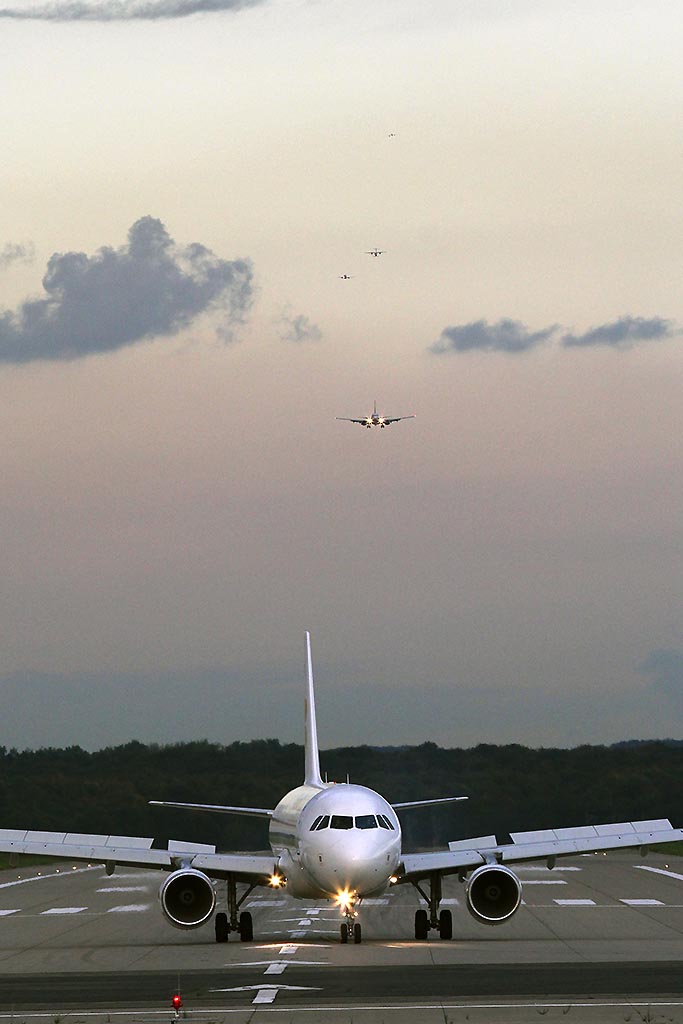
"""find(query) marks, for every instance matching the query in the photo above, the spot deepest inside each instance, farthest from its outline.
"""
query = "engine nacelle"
(187, 898)
(493, 894)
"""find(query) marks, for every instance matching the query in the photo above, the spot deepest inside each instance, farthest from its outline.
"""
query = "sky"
(184, 182)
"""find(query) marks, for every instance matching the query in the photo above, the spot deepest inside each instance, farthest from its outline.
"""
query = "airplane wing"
(250, 812)
(546, 844)
(132, 851)
(347, 419)
(427, 803)
(395, 419)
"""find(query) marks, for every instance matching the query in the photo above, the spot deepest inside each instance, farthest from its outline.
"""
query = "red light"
(177, 1002)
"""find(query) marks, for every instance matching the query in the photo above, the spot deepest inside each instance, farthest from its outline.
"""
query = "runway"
(601, 935)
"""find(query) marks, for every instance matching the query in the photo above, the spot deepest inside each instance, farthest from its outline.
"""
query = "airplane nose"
(360, 867)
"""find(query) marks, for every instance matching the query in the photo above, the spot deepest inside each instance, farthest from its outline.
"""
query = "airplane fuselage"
(341, 838)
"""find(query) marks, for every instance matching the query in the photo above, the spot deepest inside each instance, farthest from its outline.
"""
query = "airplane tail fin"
(374, 411)
(312, 757)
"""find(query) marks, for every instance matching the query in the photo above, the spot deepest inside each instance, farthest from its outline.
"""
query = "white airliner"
(339, 842)
(375, 420)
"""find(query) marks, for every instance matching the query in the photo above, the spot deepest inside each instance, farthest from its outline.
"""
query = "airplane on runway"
(340, 842)
(374, 419)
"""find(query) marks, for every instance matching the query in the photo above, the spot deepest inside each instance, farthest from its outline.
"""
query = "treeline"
(509, 787)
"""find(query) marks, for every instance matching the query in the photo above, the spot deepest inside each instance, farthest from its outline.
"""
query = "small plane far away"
(375, 252)
(340, 842)
(374, 419)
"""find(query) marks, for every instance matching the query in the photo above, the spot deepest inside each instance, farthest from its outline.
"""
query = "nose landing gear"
(350, 927)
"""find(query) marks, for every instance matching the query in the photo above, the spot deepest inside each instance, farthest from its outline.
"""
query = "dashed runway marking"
(63, 910)
(642, 903)
(129, 908)
(125, 888)
(6, 913)
(543, 881)
(575, 903)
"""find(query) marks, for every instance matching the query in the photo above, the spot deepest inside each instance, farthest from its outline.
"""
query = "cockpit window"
(366, 821)
(316, 823)
(341, 821)
(385, 822)
(323, 822)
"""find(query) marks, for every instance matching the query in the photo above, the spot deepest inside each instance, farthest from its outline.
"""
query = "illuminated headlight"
(276, 881)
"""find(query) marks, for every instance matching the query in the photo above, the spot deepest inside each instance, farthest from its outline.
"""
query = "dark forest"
(509, 787)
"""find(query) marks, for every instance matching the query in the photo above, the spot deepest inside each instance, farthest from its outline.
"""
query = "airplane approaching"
(346, 277)
(375, 420)
(341, 842)
(375, 252)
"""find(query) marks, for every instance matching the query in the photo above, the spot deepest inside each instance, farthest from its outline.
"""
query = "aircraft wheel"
(357, 934)
(344, 933)
(446, 924)
(221, 924)
(246, 927)
(421, 924)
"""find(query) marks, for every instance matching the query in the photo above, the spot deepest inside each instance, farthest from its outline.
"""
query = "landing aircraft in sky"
(374, 419)
(340, 842)
(375, 252)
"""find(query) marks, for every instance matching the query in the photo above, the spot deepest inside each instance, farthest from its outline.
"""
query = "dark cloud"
(504, 336)
(666, 670)
(623, 333)
(122, 10)
(146, 288)
(17, 252)
(300, 328)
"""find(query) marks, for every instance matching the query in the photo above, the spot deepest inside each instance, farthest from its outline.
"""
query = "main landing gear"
(232, 921)
(441, 922)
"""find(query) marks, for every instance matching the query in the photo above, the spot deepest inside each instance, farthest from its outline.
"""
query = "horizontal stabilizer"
(251, 812)
(428, 803)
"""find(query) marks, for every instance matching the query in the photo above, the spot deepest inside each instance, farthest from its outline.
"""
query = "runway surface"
(602, 936)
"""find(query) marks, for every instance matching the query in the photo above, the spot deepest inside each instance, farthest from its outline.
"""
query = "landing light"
(276, 881)
(345, 899)
(393, 880)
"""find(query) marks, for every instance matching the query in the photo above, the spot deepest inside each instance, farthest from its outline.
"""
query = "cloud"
(299, 328)
(505, 336)
(623, 333)
(17, 252)
(665, 666)
(144, 289)
(122, 10)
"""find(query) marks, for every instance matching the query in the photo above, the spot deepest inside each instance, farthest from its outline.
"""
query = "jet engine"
(493, 894)
(187, 898)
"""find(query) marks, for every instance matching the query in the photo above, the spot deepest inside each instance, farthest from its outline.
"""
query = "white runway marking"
(658, 871)
(255, 904)
(575, 903)
(125, 888)
(543, 881)
(451, 902)
(265, 995)
(129, 908)
(6, 913)
(305, 922)
(64, 910)
(377, 903)
(643, 903)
